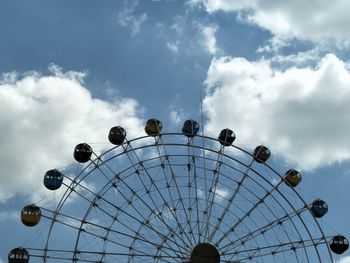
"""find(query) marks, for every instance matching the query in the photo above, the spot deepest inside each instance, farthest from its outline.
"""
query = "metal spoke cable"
(149, 226)
(212, 190)
(158, 191)
(278, 248)
(86, 223)
(231, 199)
(144, 203)
(170, 165)
(191, 177)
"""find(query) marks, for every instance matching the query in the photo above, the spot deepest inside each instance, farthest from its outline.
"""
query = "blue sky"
(275, 72)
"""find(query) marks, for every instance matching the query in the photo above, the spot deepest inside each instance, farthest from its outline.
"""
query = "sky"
(275, 72)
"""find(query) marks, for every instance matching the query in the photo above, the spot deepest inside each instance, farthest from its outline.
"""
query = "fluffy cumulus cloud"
(300, 113)
(42, 118)
(321, 21)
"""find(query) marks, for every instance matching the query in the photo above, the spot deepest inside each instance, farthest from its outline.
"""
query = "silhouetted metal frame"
(113, 179)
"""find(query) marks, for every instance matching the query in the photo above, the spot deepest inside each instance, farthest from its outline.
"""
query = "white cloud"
(2, 261)
(177, 116)
(208, 38)
(344, 260)
(42, 118)
(127, 18)
(173, 46)
(299, 58)
(186, 36)
(223, 5)
(318, 21)
(219, 195)
(300, 113)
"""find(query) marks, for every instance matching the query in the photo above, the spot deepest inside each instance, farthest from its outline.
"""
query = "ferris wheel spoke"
(146, 205)
(160, 248)
(261, 230)
(192, 179)
(229, 232)
(144, 221)
(136, 235)
(163, 164)
(248, 213)
(254, 252)
(62, 254)
(169, 209)
(231, 199)
(277, 224)
(206, 194)
(170, 236)
(65, 258)
(212, 190)
(270, 226)
(173, 180)
(183, 232)
(196, 188)
(87, 232)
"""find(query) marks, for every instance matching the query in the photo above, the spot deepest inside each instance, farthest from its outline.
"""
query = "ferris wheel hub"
(205, 253)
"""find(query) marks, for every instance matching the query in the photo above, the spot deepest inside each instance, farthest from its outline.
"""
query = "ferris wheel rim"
(98, 161)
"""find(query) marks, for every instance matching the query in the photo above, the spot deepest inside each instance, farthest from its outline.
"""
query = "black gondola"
(190, 128)
(226, 137)
(82, 153)
(53, 179)
(18, 255)
(116, 135)
(339, 244)
(319, 208)
(261, 154)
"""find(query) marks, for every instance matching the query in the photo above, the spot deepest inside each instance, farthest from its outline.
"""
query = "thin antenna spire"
(201, 110)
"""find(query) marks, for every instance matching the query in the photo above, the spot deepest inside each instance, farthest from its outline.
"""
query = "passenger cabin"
(30, 215)
(292, 178)
(53, 179)
(82, 153)
(190, 128)
(319, 208)
(18, 255)
(226, 137)
(339, 244)
(116, 135)
(261, 154)
(153, 127)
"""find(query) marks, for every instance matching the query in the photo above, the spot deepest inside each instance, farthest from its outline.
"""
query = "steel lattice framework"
(155, 198)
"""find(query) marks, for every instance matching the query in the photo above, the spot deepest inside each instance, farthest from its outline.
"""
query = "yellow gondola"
(292, 178)
(30, 215)
(153, 127)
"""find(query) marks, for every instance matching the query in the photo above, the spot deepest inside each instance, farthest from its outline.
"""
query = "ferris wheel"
(177, 197)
